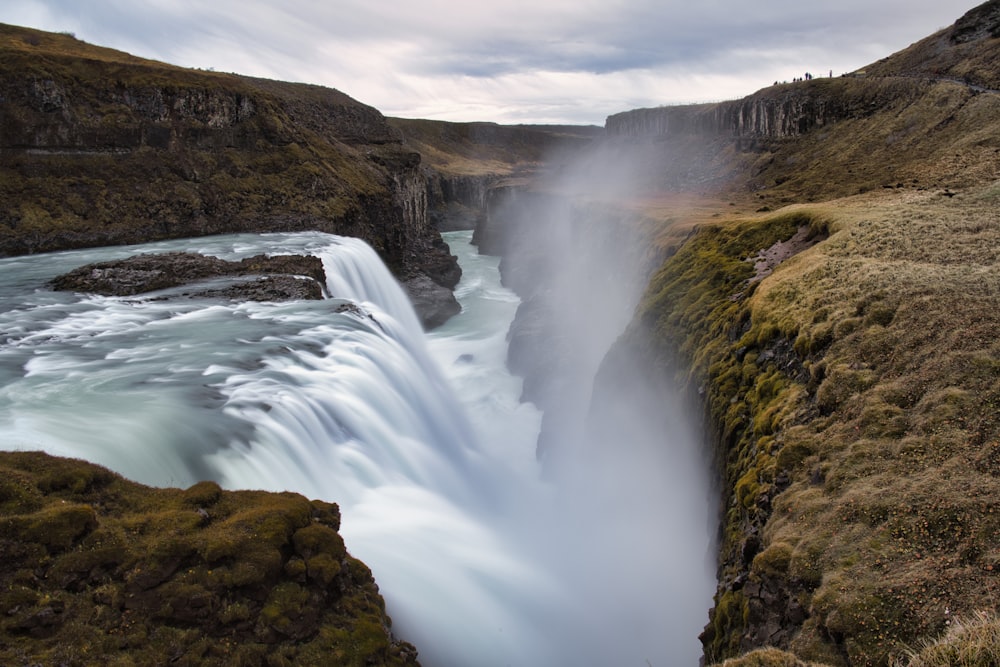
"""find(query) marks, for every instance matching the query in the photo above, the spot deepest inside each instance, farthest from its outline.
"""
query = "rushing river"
(420, 438)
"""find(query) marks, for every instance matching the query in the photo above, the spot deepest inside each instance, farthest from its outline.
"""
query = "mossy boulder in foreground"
(97, 569)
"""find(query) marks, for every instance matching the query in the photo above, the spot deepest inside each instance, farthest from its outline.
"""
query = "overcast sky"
(509, 61)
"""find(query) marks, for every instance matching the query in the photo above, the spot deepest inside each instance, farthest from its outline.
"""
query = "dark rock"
(267, 288)
(433, 303)
(285, 277)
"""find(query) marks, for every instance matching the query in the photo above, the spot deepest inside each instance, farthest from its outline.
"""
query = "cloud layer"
(519, 61)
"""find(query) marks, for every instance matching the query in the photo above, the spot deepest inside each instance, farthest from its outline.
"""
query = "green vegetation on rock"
(854, 395)
(96, 568)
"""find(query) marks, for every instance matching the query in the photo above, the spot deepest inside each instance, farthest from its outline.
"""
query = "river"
(420, 438)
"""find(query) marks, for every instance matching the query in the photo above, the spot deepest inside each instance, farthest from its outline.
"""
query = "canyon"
(848, 395)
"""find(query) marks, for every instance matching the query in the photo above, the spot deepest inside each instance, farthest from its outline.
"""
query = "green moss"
(323, 568)
(317, 539)
(774, 560)
(202, 494)
(284, 606)
(132, 584)
(56, 527)
(726, 624)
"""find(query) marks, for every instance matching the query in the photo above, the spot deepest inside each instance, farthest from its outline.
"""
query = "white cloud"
(516, 61)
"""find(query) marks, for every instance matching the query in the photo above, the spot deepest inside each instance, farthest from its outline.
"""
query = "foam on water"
(421, 440)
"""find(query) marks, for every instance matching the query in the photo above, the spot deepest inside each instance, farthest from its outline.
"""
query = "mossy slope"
(854, 395)
(97, 569)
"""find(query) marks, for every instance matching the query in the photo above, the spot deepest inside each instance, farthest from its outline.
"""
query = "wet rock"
(278, 278)
(434, 303)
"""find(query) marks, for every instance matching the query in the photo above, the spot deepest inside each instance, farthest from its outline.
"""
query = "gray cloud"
(522, 59)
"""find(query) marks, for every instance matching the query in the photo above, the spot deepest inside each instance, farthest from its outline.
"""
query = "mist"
(633, 512)
(561, 515)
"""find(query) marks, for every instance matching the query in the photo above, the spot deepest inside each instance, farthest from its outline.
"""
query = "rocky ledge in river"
(260, 278)
(278, 278)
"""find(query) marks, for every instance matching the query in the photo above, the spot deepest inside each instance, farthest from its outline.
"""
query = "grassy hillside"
(477, 149)
(854, 392)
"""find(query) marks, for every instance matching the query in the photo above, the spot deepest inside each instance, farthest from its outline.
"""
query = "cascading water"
(421, 440)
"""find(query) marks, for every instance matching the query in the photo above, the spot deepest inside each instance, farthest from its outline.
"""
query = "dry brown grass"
(969, 642)
(767, 657)
(32, 42)
(892, 517)
(479, 149)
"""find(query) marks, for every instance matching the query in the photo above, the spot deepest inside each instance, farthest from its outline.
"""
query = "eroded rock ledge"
(258, 278)
(278, 278)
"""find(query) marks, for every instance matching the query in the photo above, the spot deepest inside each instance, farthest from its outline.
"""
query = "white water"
(421, 440)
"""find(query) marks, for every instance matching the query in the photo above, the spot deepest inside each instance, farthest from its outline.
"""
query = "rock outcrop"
(94, 568)
(275, 278)
(781, 111)
(457, 201)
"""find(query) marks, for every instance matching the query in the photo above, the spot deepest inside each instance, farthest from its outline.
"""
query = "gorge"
(756, 334)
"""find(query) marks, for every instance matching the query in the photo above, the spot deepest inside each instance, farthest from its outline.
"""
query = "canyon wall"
(779, 111)
(101, 148)
(579, 268)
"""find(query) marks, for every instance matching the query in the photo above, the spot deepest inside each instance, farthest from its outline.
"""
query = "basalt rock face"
(781, 111)
(456, 202)
(100, 148)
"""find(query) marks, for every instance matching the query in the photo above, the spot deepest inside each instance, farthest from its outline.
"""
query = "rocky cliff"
(464, 161)
(100, 148)
(783, 110)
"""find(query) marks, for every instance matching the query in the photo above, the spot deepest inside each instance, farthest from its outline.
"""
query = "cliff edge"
(95, 568)
(833, 318)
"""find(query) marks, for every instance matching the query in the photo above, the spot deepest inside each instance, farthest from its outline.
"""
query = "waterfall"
(422, 441)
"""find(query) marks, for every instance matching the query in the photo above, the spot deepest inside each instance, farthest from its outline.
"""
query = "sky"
(508, 61)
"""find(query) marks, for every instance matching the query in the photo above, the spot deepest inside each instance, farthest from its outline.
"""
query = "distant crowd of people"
(807, 77)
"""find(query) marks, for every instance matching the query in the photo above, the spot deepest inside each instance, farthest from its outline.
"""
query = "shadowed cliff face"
(781, 111)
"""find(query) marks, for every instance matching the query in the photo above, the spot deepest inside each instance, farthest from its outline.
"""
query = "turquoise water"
(420, 438)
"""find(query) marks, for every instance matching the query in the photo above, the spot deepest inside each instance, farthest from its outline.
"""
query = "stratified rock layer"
(98, 147)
